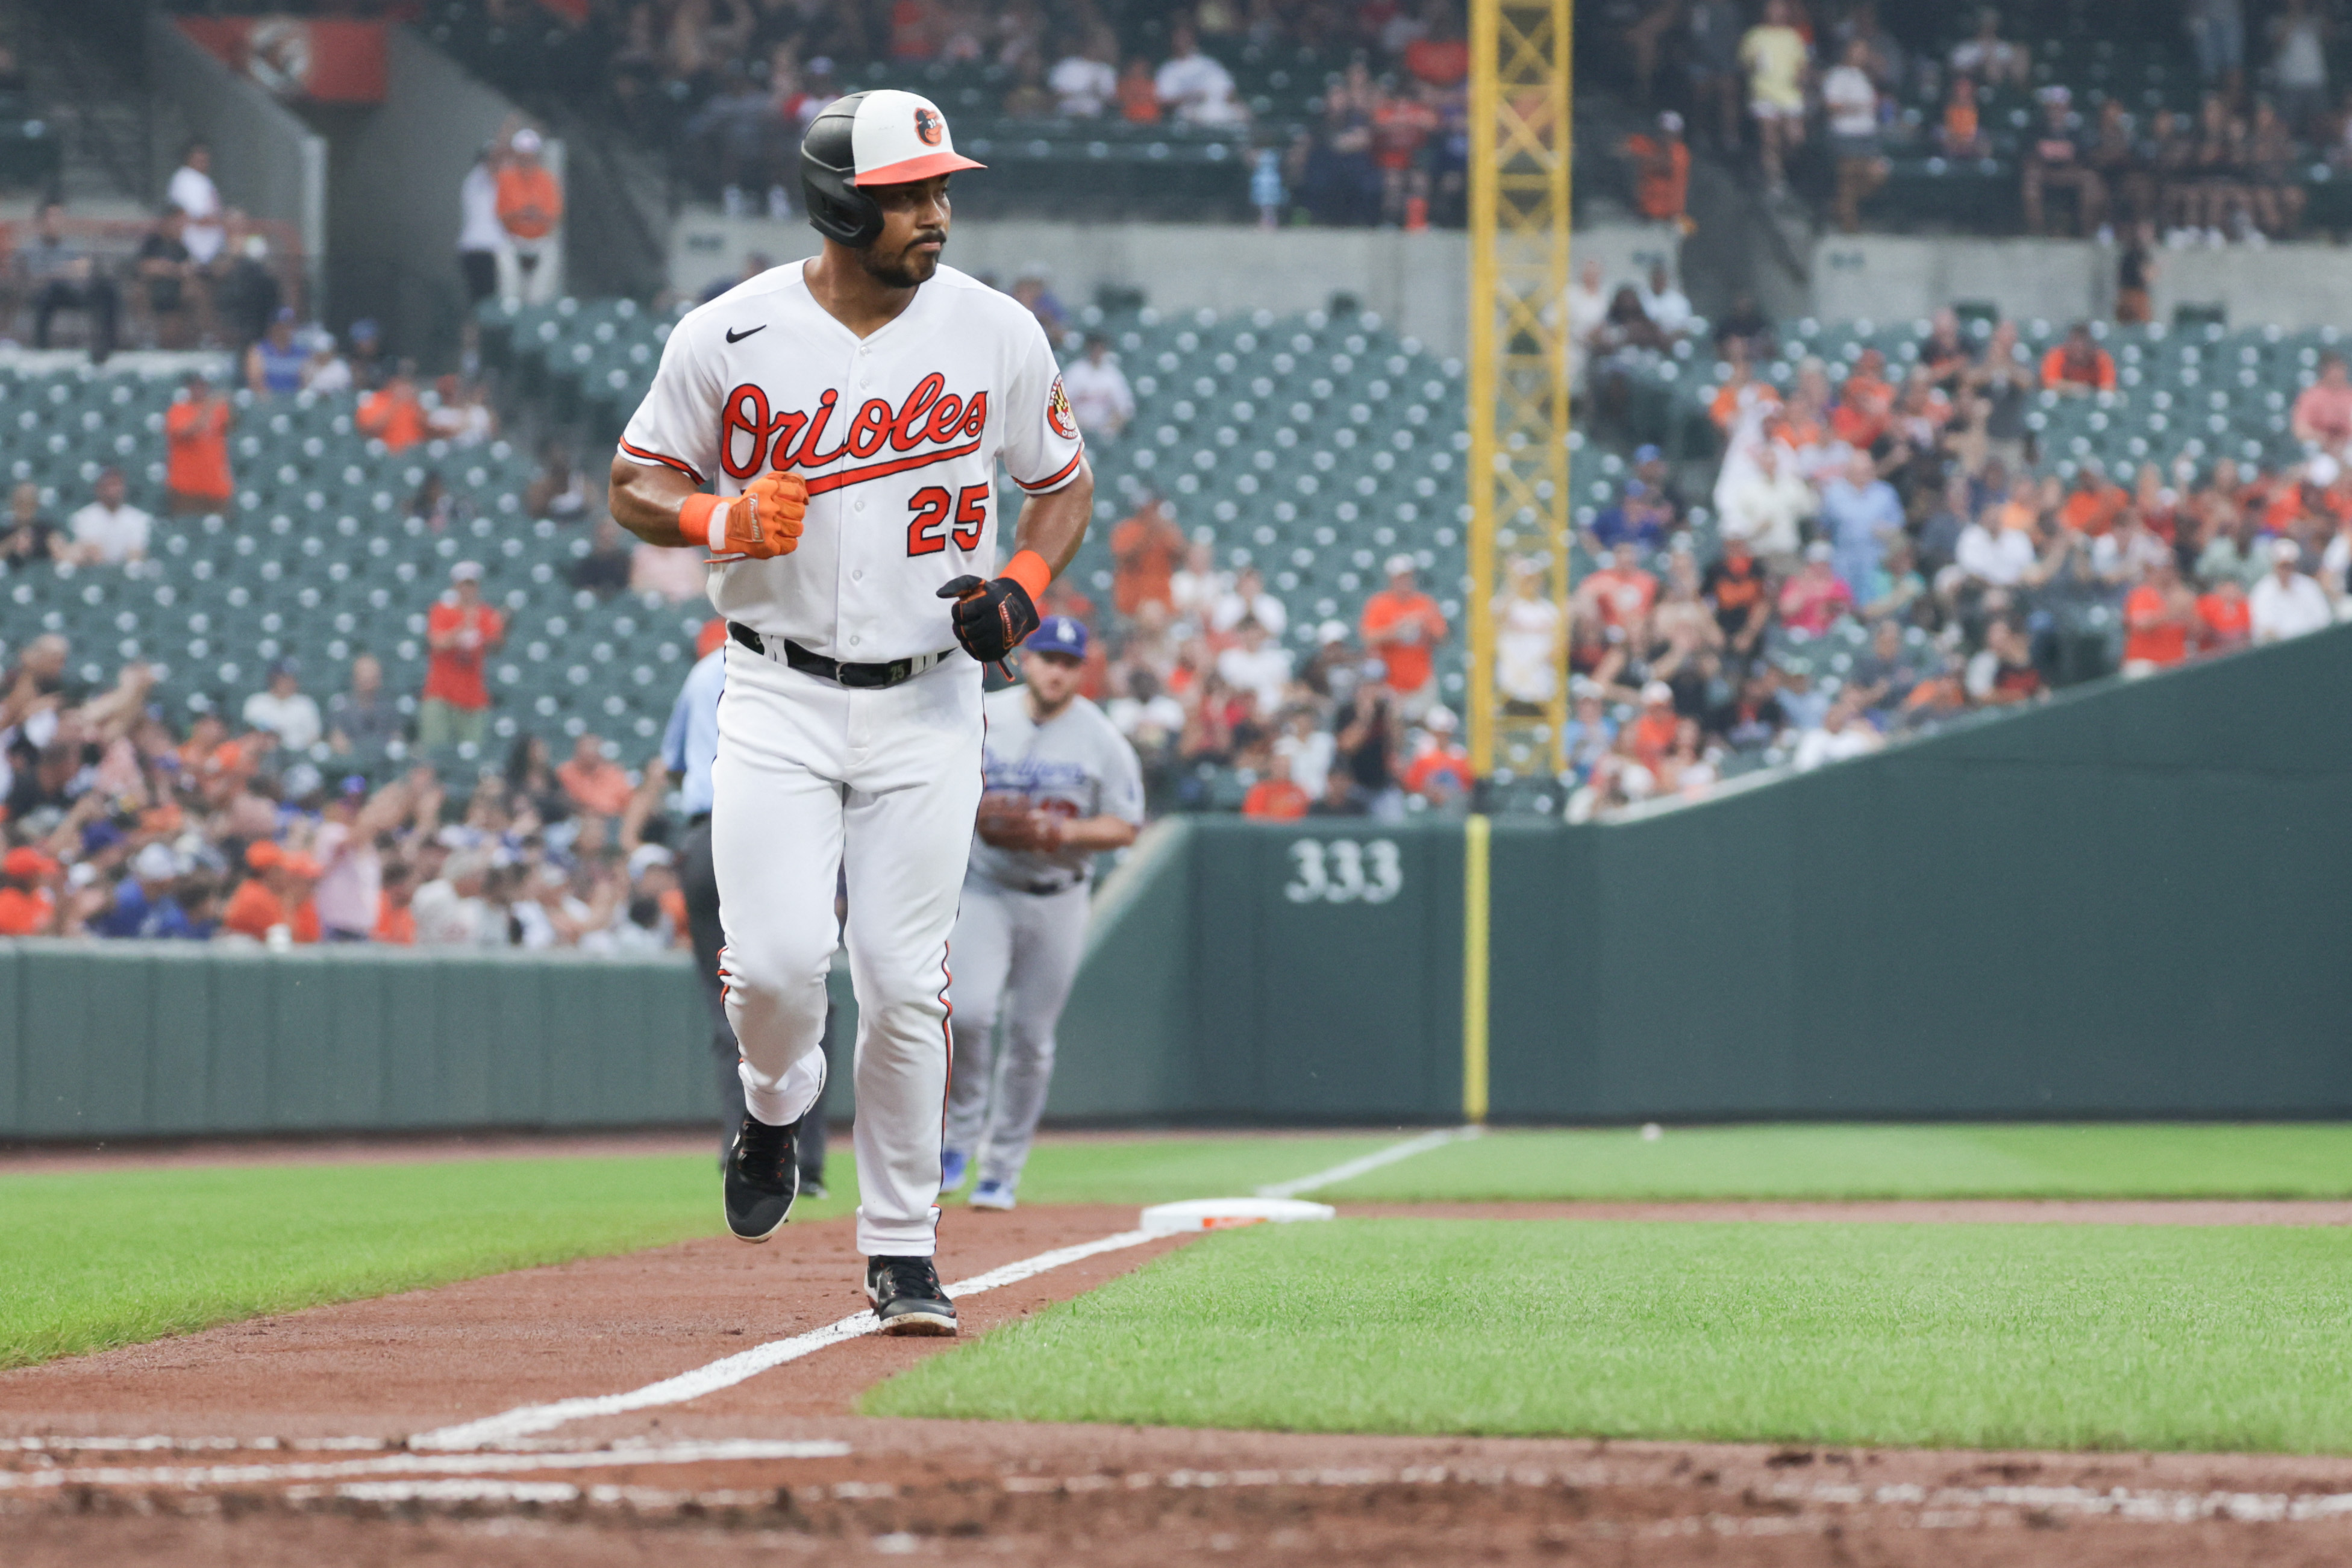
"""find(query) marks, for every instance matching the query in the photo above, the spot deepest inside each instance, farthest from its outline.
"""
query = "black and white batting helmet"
(883, 137)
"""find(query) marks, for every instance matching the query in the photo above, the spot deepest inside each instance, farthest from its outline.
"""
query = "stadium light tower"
(1521, 148)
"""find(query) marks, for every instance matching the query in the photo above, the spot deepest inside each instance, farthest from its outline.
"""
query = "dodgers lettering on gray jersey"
(1076, 765)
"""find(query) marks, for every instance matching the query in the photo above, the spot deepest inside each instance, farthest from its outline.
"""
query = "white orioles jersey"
(897, 437)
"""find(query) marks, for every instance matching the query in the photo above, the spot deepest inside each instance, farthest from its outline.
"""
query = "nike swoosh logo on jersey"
(735, 337)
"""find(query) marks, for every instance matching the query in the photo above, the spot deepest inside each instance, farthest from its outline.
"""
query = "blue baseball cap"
(1059, 634)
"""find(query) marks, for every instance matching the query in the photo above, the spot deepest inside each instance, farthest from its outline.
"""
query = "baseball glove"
(990, 618)
(1007, 823)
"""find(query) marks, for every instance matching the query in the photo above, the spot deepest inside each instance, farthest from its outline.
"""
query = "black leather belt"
(857, 677)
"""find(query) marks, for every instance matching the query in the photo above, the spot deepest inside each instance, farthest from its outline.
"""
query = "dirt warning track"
(295, 1440)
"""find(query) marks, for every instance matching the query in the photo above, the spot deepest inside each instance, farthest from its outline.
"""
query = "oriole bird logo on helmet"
(927, 126)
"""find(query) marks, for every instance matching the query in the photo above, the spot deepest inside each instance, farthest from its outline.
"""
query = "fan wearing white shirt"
(286, 710)
(192, 190)
(1097, 389)
(1249, 601)
(2285, 603)
(1194, 87)
(1668, 308)
(1193, 593)
(1254, 665)
(110, 531)
(1085, 81)
(1993, 555)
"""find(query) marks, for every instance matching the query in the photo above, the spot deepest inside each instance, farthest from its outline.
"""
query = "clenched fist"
(761, 524)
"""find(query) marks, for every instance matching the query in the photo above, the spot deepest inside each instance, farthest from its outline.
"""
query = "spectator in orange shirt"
(1144, 550)
(1864, 403)
(2078, 366)
(392, 414)
(1962, 133)
(1661, 172)
(28, 903)
(2096, 501)
(1441, 56)
(1139, 93)
(2225, 616)
(393, 921)
(1440, 772)
(531, 205)
(1742, 391)
(2323, 412)
(595, 783)
(277, 895)
(460, 632)
(1402, 629)
(2159, 616)
(1651, 735)
(1277, 797)
(195, 437)
(1621, 594)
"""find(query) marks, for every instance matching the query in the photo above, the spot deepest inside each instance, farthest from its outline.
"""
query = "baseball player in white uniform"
(1063, 785)
(829, 431)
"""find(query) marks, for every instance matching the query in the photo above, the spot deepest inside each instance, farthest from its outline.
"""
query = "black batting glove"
(990, 618)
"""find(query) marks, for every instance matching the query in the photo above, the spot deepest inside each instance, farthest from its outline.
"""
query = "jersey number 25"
(931, 506)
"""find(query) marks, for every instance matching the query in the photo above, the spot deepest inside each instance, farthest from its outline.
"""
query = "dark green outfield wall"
(122, 1038)
(2132, 902)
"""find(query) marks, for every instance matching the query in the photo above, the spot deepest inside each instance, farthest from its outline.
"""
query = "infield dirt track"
(246, 1408)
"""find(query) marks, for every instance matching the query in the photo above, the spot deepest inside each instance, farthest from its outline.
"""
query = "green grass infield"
(111, 1258)
(1864, 1161)
(2041, 1336)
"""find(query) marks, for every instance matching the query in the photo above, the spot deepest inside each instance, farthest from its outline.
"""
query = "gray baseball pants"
(1013, 959)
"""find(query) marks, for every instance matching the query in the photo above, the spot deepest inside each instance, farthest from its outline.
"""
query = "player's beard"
(909, 268)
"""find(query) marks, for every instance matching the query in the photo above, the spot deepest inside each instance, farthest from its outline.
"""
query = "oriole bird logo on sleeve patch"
(1058, 413)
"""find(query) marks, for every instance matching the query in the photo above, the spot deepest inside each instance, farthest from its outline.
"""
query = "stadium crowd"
(1886, 503)
(1784, 78)
(728, 86)
(262, 825)
(1200, 679)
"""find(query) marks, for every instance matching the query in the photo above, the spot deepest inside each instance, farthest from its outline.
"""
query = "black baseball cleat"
(762, 1177)
(908, 1297)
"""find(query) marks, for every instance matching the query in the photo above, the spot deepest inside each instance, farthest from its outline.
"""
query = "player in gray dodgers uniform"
(1063, 785)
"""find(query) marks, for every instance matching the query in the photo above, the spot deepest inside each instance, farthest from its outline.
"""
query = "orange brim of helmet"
(907, 170)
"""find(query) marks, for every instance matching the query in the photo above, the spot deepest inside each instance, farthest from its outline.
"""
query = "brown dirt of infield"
(401, 1363)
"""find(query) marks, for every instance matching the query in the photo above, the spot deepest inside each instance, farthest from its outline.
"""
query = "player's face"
(1053, 676)
(914, 232)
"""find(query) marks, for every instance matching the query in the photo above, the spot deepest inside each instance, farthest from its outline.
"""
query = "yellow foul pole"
(1520, 150)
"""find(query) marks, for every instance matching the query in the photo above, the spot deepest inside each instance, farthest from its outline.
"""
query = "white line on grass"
(1353, 1168)
(527, 1419)
(419, 1464)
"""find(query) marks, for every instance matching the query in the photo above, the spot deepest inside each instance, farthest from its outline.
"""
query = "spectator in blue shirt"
(1637, 518)
(1860, 512)
(143, 904)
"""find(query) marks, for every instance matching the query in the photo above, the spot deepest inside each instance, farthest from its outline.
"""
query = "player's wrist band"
(1029, 570)
(703, 519)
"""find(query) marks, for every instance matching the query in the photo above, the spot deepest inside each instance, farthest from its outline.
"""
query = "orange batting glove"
(761, 524)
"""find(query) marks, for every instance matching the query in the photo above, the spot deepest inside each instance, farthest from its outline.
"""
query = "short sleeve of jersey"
(1122, 786)
(677, 424)
(1042, 444)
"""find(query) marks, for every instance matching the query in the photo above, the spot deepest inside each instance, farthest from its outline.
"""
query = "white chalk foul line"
(1353, 1168)
(724, 1373)
(416, 1464)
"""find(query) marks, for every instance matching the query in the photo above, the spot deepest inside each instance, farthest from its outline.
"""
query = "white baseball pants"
(1016, 957)
(883, 785)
